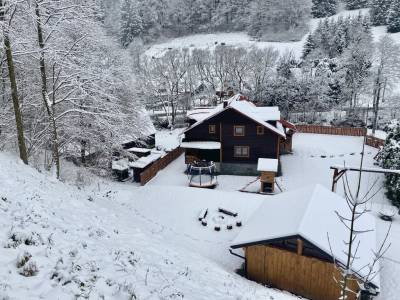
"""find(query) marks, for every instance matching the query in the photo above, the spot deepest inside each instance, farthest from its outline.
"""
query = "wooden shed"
(286, 244)
(268, 168)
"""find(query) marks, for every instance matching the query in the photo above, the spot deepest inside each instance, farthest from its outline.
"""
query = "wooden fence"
(159, 164)
(374, 141)
(319, 129)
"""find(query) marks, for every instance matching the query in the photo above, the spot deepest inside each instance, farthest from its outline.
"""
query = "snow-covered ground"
(91, 243)
(242, 39)
(112, 240)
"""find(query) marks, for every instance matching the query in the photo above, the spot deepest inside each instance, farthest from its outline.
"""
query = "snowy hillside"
(88, 244)
(242, 39)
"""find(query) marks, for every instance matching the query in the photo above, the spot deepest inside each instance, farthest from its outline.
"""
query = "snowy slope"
(87, 244)
(242, 39)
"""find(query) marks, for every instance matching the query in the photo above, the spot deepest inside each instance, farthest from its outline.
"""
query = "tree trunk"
(49, 108)
(14, 89)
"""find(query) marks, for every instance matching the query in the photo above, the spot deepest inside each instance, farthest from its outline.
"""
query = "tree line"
(382, 12)
(153, 19)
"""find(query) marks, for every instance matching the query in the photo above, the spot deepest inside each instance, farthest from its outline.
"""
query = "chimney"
(225, 103)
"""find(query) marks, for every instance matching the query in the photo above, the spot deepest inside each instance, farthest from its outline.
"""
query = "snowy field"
(114, 240)
(242, 39)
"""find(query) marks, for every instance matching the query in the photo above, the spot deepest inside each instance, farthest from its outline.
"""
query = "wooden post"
(220, 140)
(300, 245)
(335, 174)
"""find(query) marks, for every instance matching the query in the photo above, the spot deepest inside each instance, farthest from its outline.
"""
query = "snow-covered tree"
(379, 10)
(356, 4)
(386, 71)
(393, 18)
(323, 8)
(131, 22)
(390, 159)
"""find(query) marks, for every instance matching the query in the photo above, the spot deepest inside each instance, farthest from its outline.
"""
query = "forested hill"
(272, 20)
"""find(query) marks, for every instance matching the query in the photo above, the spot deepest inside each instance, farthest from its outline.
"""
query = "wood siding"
(305, 276)
(265, 145)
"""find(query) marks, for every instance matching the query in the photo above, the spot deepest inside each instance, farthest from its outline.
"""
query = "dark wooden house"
(235, 135)
(286, 245)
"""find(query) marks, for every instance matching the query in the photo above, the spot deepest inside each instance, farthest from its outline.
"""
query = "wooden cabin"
(286, 245)
(235, 135)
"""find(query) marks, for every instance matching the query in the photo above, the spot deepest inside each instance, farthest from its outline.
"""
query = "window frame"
(260, 130)
(239, 126)
(241, 155)
(212, 129)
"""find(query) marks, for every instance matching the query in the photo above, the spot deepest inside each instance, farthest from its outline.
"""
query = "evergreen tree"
(379, 10)
(308, 46)
(323, 8)
(390, 159)
(131, 22)
(356, 4)
(393, 19)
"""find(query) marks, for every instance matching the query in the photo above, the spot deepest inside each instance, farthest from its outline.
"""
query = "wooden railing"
(374, 141)
(319, 129)
(159, 164)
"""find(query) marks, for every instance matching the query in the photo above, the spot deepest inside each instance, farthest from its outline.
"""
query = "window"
(238, 130)
(260, 130)
(241, 151)
(211, 128)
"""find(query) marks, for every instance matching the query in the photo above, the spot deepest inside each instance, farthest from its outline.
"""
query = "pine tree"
(393, 19)
(308, 46)
(379, 10)
(390, 159)
(323, 8)
(356, 4)
(131, 22)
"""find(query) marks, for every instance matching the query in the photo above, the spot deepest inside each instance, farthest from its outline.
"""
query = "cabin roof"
(310, 213)
(260, 115)
(146, 160)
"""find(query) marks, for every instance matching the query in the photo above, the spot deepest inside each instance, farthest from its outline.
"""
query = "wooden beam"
(300, 246)
(220, 140)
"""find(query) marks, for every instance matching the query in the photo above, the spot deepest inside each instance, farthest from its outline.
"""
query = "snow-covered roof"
(120, 165)
(199, 114)
(139, 150)
(260, 115)
(146, 160)
(267, 165)
(310, 212)
(201, 145)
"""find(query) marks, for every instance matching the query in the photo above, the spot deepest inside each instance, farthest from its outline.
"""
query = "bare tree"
(386, 70)
(349, 270)
(10, 10)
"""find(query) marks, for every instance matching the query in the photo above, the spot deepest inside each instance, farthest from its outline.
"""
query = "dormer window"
(239, 130)
(211, 129)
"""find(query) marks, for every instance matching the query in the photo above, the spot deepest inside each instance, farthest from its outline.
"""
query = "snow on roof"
(310, 212)
(146, 160)
(199, 114)
(120, 165)
(259, 114)
(138, 150)
(267, 165)
(201, 145)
